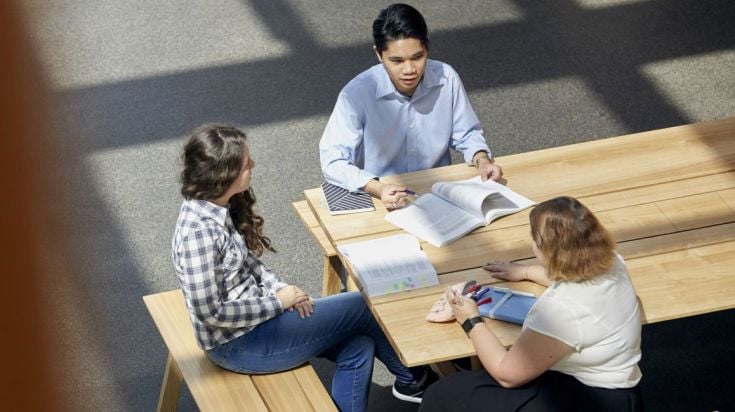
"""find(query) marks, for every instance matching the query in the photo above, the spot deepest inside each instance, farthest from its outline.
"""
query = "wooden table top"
(666, 196)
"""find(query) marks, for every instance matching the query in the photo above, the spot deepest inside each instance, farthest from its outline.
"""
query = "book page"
(390, 264)
(486, 200)
(434, 220)
(504, 202)
(468, 195)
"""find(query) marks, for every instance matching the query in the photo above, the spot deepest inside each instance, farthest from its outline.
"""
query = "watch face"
(470, 323)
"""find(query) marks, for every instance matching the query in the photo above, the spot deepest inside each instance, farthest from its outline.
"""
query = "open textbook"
(453, 209)
(390, 264)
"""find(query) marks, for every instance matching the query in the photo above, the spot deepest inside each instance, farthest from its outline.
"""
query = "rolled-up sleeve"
(467, 133)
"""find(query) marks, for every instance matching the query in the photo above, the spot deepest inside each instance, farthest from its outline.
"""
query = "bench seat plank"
(283, 392)
(307, 217)
(211, 389)
(216, 389)
(331, 275)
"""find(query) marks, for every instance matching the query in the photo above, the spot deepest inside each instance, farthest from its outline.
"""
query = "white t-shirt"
(600, 319)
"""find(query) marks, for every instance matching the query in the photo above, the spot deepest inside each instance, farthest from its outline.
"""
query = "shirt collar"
(384, 86)
(210, 210)
(432, 78)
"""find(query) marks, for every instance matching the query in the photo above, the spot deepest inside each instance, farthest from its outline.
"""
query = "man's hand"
(487, 169)
(393, 197)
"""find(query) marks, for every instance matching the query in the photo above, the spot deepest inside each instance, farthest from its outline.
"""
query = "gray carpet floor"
(131, 78)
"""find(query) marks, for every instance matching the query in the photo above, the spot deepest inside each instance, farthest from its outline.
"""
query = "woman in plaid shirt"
(245, 318)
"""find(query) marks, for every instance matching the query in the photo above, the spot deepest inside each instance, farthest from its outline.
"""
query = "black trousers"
(552, 391)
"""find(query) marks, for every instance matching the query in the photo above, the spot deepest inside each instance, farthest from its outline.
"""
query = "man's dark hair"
(399, 21)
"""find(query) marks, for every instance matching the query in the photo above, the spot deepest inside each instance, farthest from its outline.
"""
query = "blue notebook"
(507, 305)
(341, 201)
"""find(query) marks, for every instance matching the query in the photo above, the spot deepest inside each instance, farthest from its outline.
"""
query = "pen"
(485, 300)
(410, 192)
(515, 292)
(469, 291)
(480, 293)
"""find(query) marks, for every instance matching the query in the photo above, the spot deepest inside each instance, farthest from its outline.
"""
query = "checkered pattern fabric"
(228, 290)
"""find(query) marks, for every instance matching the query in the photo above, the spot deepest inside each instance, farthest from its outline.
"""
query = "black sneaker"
(414, 392)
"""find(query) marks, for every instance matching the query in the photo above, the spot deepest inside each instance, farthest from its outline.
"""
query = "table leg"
(171, 386)
(443, 369)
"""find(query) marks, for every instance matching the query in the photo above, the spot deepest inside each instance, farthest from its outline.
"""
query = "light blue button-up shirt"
(376, 131)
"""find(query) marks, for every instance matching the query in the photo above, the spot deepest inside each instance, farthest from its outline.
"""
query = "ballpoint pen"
(485, 300)
(515, 292)
(467, 286)
(410, 192)
(480, 293)
(469, 292)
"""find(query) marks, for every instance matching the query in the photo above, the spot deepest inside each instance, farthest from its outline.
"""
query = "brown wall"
(29, 367)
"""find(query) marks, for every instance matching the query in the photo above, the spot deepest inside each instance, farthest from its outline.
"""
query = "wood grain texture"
(666, 196)
(307, 217)
(216, 389)
(599, 168)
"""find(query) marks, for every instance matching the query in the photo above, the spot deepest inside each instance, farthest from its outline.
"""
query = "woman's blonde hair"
(573, 242)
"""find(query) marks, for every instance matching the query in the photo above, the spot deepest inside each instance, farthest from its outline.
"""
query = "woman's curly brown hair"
(574, 243)
(212, 160)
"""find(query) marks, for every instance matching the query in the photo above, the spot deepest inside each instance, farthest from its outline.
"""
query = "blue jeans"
(341, 329)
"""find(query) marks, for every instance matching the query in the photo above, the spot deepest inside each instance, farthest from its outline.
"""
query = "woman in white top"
(580, 344)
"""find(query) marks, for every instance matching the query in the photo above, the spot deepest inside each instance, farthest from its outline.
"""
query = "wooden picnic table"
(666, 196)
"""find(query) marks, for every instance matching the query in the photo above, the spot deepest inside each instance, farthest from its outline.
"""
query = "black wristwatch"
(470, 323)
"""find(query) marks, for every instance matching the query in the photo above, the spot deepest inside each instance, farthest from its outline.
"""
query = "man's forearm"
(479, 157)
(374, 187)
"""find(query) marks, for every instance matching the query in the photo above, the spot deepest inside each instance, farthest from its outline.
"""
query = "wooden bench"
(333, 268)
(216, 389)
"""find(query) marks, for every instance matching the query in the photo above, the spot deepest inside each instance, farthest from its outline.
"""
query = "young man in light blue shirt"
(401, 115)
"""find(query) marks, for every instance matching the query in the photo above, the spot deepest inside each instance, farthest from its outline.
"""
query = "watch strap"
(470, 323)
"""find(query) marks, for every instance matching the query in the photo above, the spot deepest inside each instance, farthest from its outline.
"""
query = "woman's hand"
(291, 296)
(305, 308)
(463, 308)
(506, 270)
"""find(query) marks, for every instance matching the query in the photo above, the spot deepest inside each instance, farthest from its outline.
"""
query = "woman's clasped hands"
(293, 297)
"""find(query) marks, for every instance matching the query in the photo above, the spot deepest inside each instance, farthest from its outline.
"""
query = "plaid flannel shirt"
(228, 290)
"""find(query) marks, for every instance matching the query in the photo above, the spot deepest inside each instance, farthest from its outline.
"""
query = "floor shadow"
(604, 47)
(112, 341)
(689, 363)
